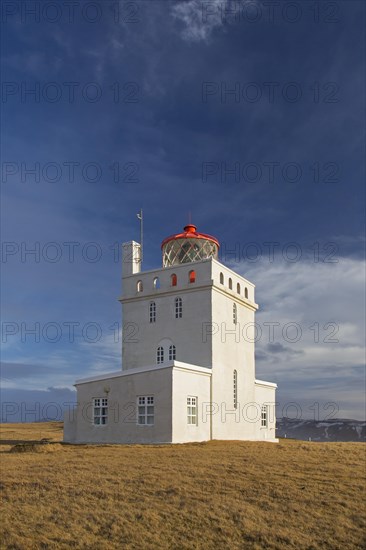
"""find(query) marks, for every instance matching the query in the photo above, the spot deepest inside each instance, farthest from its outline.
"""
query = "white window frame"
(192, 410)
(178, 302)
(160, 355)
(152, 312)
(100, 411)
(172, 352)
(145, 410)
(264, 416)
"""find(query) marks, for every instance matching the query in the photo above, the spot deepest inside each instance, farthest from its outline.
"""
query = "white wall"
(122, 420)
(233, 349)
(218, 268)
(131, 258)
(141, 338)
(187, 383)
(266, 395)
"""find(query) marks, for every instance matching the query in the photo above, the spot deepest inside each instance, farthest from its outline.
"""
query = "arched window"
(172, 352)
(156, 282)
(221, 278)
(178, 308)
(192, 276)
(139, 286)
(235, 314)
(173, 279)
(152, 312)
(230, 283)
(238, 288)
(246, 292)
(160, 355)
(235, 389)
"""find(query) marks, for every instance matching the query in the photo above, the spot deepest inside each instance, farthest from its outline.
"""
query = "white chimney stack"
(131, 258)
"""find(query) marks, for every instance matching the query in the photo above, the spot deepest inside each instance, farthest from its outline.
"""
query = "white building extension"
(188, 371)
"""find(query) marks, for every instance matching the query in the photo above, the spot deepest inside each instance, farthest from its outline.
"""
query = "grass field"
(222, 495)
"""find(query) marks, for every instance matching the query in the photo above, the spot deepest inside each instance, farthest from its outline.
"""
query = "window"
(160, 355)
(152, 312)
(235, 389)
(246, 292)
(221, 278)
(238, 288)
(192, 276)
(178, 308)
(192, 411)
(139, 286)
(230, 283)
(156, 282)
(172, 352)
(100, 410)
(264, 416)
(173, 280)
(145, 410)
(235, 314)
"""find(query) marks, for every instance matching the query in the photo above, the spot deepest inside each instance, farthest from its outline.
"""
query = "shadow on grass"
(26, 441)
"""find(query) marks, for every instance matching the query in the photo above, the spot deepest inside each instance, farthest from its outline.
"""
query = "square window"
(100, 411)
(145, 410)
(192, 417)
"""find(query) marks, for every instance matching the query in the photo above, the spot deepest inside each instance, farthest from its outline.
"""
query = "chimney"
(131, 258)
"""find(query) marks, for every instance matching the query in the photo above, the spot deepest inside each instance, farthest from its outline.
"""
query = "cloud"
(36, 405)
(311, 325)
(40, 369)
(199, 19)
(15, 371)
(279, 348)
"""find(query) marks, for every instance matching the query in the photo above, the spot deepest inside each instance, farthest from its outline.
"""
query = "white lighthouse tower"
(188, 371)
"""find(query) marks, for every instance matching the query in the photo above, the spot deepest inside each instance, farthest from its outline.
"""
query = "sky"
(247, 118)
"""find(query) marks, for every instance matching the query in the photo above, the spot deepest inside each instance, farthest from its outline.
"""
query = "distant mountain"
(336, 429)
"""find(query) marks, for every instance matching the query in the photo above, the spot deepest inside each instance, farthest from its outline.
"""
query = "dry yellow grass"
(224, 495)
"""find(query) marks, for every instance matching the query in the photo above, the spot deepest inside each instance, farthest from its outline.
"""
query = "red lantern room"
(189, 246)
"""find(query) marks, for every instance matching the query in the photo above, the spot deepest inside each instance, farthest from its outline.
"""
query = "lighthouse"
(188, 364)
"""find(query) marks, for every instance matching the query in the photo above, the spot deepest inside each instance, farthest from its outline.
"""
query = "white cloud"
(326, 302)
(199, 18)
(324, 299)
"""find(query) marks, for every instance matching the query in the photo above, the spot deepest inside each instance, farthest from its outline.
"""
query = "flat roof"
(129, 372)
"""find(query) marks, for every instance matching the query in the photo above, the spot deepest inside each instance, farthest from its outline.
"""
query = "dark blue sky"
(159, 102)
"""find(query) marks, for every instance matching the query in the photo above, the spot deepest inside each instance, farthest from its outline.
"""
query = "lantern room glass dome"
(189, 246)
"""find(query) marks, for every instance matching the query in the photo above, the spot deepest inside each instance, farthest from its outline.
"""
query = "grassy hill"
(224, 495)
